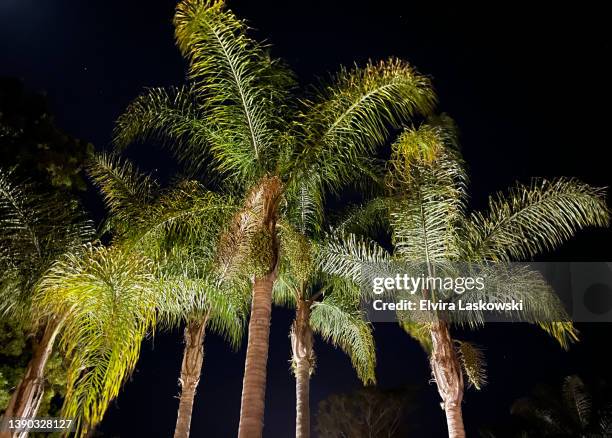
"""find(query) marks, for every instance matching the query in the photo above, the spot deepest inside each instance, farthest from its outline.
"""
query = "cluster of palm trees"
(248, 228)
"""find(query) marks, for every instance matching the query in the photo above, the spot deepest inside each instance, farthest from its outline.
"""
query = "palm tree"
(178, 228)
(107, 301)
(325, 305)
(239, 121)
(35, 230)
(427, 214)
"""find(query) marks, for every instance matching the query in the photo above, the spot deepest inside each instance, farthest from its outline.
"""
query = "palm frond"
(578, 399)
(303, 207)
(429, 176)
(419, 332)
(518, 283)
(345, 255)
(354, 116)
(239, 82)
(182, 295)
(344, 325)
(35, 229)
(473, 363)
(285, 292)
(185, 214)
(173, 116)
(127, 192)
(533, 219)
(368, 218)
(106, 297)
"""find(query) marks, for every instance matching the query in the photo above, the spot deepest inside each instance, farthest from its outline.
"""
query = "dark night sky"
(528, 88)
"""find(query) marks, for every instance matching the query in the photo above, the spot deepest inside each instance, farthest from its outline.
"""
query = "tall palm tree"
(429, 222)
(239, 120)
(324, 305)
(178, 228)
(35, 230)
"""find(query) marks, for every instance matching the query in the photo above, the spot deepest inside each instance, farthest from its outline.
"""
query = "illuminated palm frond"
(303, 207)
(473, 363)
(173, 116)
(179, 228)
(183, 295)
(345, 255)
(341, 323)
(127, 191)
(429, 176)
(505, 283)
(239, 82)
(533, 219)
(367, 218)
(354, 115)
(106, 298)
(419, 332)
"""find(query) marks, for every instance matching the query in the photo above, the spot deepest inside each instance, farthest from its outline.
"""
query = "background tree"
(15, 353)
(35, 230)
(573, 409)
(30, 139)
(430, 225)
(45, 155)
(367, 412)
(242, 126)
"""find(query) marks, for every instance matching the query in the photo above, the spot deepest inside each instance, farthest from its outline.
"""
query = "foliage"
(106, 298)
(178, 228)
(343, 324)
(15, 353)
(35, 229)
(30, 139)
(367, 412)
(573, 409)
(430, 225)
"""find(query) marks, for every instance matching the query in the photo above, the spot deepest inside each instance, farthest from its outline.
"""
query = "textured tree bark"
(191, 368)
(302, 340)
(26, 399)
(255, 368)
(267, 195)
(449, 377)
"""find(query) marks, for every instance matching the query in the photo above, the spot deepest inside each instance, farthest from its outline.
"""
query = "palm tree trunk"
(26, 398)
(303, 360)
(302, 394)
(254, 382)
(267, 195)
(448, 376)
(191, 368)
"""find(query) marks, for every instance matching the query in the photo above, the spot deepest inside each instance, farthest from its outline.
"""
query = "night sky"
(529, 89)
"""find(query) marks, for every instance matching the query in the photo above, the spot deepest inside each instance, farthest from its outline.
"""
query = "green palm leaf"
(106, 298)
(238, 81)
(342, 323)
(533, 219)
(349, 119)
(174, 116)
